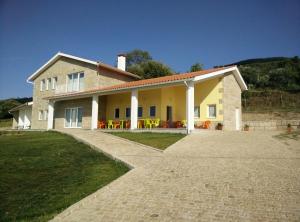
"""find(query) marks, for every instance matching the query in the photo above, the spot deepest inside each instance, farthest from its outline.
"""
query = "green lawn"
(5, 123)
(157, 140)
(42, 173)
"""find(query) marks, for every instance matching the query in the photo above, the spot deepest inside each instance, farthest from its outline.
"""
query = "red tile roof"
(145, 82)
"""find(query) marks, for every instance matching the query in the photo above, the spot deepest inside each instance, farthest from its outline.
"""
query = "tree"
(140, 63)
(150, 69)
(137, 56)
(196, 67)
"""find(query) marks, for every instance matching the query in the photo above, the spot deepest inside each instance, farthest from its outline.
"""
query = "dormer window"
(75, 82)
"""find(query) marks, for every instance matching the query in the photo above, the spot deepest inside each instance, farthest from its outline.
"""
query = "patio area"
(150, 124)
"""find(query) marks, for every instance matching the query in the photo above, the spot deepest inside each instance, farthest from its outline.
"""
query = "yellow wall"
(206, 93)
(121, 101)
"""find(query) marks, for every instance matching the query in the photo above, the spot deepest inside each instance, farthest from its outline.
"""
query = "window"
(73, 117)
(42, 86)
(48, 85)
(127, 112)
(45, 114)
(196, 111)
(75, 82)
(152, 111)
(212, 111)
(117, 113)
(41, 113)
(54, 82)
(140, 111)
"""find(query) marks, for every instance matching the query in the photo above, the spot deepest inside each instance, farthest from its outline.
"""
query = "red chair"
(206, 124)
(117, 124)
(101, 125)
(127, 124)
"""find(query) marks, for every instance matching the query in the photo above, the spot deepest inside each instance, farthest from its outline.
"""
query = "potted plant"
(219, 126)
(246, 127)
(289, 127)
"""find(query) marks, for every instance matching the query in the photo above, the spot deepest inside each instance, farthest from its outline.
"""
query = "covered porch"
(187, 101)
(174, 107)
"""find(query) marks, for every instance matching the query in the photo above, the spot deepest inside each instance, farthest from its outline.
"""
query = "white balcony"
(63, 89)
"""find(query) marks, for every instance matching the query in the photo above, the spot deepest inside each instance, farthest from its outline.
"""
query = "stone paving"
(207, 176)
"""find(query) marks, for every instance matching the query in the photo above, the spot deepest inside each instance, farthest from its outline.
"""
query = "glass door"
(73, 117)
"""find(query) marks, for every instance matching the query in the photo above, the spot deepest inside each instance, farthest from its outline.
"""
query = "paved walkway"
(210, 176)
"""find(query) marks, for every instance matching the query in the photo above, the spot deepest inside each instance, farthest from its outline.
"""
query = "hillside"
(274, 84)
(276, 73)
(8, 104)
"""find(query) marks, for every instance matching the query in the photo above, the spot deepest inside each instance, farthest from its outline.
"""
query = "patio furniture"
(127, 124)
(116, 124)
(101, 125)
(206, 124)
(148, 123)
(178, 124)
(165, 124)
(110, 124)
(156, 122)
(140, 123)
(122, 123)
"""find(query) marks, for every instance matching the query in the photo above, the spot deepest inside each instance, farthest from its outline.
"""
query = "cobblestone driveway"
(209, 176)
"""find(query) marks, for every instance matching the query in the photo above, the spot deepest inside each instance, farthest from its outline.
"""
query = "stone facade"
(60, 109)
(271, 124)
(60, 69)
(231, 102)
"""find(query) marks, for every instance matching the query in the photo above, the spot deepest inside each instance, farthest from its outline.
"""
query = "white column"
(190, 106)
(134, 109)
(94, 112)
(50, 115)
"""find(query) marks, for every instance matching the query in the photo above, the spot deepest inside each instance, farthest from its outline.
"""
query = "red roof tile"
(145, 82)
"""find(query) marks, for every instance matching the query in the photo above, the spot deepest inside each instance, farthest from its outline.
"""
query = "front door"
(169, 115)
(237, 119)
(73, 117)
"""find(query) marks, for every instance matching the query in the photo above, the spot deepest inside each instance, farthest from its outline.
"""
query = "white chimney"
(122, 62)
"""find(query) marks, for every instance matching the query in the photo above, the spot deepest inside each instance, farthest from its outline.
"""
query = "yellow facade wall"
(206, 93)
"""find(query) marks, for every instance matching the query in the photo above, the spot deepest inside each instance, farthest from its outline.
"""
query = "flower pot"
(246, 128)
(289, 129)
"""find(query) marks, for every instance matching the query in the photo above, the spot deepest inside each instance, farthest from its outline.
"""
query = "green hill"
(8, 104)
(277, 73)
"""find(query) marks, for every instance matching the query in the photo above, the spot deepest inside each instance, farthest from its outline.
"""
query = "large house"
(72, 92)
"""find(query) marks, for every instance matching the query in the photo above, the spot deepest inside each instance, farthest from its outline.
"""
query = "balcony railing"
(62, 89)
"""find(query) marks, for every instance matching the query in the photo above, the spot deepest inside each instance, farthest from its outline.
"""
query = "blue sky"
(178, 33)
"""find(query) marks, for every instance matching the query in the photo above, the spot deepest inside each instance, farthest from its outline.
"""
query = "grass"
(294, 135)
(5, 123)
(42, 173)
(157, 140)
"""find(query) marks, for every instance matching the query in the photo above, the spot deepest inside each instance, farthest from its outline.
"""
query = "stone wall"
(231, 101)
(271, 124)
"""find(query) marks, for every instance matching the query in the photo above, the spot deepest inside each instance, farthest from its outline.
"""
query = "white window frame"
(41, 115)
(45, 114)
(150, 111)
(208, 115)
(54, 82)
(42, 85)
(48, 83)
(73, 127)
(78, 82)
